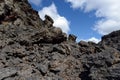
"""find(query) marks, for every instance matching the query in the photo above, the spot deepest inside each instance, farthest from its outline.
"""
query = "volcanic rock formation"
(32, 49)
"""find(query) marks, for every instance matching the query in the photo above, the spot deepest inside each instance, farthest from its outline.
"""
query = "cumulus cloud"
(35, 2)
(107, 10)
(59, 21)
(93, 39)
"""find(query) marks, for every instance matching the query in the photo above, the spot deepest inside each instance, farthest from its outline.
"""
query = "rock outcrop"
(112, 40)
(32, 49)
(72, 38)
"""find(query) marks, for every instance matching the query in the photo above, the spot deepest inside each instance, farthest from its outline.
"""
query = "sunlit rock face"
(32, 49)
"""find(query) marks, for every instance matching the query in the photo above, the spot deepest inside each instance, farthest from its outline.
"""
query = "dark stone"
(112, 40)
(48, 21)
(7, 72)
(42, 68)
(32, 49)
(83, 44)
(52, 35)
(72, 37)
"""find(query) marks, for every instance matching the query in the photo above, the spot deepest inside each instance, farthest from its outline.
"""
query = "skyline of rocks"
(33, 49)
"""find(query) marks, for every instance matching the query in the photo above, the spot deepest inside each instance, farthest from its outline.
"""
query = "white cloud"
(107, 26)
(35, 2)
(93, 39)
(59, 21)
(76, 3)
(107, 10)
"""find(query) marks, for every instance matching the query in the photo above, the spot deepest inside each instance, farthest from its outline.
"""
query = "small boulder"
(7, 72)
(72, 37)
(42, 68)
(83, 44)
(48, 21)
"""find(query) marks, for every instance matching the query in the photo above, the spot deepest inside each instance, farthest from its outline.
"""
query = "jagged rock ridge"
(32, 49)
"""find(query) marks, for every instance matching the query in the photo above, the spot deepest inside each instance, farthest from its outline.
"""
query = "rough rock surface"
(32, 49)
(112, 40)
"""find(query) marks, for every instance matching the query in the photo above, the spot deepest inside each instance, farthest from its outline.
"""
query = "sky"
(89, 20)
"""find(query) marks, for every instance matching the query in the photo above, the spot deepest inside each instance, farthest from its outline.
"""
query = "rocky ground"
(32, 49)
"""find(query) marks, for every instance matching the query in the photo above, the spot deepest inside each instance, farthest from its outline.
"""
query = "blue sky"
(87, 19)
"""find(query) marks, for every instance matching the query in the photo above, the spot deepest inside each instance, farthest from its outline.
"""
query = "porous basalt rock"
(48, 21)
(11, 10)
(72, 38)
(112, 40)
(33, 49)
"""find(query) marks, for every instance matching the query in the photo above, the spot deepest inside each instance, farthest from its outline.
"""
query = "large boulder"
(112, 40)
(49, 35)
(12, 10)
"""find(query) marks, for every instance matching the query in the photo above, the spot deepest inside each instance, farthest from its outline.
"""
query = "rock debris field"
(33, 49)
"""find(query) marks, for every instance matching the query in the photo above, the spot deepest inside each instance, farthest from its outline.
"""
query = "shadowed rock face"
(18, 12)
(32, 49)
(112, 40)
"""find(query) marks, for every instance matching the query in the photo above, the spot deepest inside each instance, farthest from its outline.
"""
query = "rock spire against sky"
(88, 19)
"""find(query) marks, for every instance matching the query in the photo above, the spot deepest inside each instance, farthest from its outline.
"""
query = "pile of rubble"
(32, 49)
